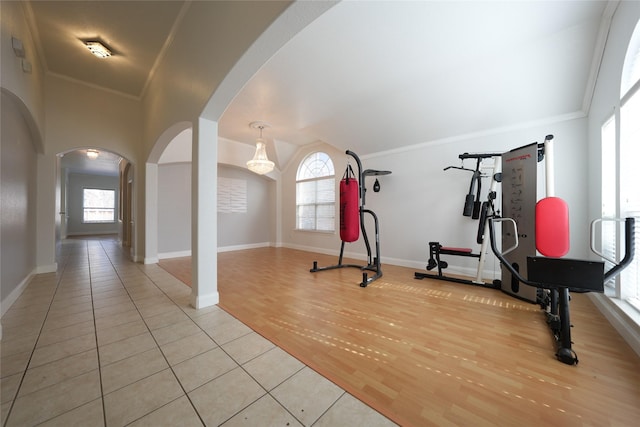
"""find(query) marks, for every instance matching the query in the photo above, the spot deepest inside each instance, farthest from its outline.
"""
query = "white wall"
(235, 230)
(17, 202)
(28, 87)
(254, 227)
(174, 210)
(76, 183)
(27, 112)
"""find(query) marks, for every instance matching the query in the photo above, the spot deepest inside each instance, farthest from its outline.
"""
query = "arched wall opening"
(205, 154)
(239, 226)
(93, 167)
(21, 147)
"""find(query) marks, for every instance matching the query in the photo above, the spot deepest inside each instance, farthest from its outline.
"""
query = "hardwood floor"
(428, 352)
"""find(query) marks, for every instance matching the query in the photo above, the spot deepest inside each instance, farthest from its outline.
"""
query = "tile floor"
(107, 342)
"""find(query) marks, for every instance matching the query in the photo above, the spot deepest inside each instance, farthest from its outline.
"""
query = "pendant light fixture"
(260, 163)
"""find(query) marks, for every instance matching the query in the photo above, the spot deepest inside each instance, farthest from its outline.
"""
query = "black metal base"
(366, 279)
(493, 285)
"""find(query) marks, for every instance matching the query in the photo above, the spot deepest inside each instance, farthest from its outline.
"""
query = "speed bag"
(349, 210)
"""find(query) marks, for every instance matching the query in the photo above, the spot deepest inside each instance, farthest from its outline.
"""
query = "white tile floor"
(107, 342)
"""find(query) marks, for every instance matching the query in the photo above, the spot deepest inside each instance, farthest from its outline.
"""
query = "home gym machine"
(352, 215)
(545, 228)
(476, 210)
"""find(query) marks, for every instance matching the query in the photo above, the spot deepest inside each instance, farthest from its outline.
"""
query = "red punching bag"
(349, 207)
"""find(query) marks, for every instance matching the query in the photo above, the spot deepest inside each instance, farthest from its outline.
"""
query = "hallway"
(107, 342)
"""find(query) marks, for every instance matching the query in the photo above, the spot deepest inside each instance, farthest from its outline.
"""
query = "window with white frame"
(620, 174)
(629, 195)
(315, 193)
(98, 205)
(609, 168)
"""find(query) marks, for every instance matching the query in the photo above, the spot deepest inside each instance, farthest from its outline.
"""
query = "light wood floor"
(428, 352)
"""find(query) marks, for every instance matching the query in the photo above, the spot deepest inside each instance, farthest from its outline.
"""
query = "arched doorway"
(95, 196)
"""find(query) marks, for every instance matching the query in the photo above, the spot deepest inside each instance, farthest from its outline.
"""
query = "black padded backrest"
(575, 274)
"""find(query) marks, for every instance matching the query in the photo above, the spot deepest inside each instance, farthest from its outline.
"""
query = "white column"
(204, 214)
(151, 213)
(46, 214)
(278, 211)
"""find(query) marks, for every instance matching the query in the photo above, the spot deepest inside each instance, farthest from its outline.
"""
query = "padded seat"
(452, 251)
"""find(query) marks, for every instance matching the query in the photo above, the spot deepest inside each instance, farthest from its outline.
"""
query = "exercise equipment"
(472, 201)
(477, 210)
(350, 222)
(519, 197)
(349, 207)
(554, 275)
(561, 275)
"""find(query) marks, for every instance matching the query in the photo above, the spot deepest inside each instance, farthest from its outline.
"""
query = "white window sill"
(623, 317)
(314, 231)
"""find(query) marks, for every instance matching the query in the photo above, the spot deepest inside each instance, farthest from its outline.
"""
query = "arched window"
(315, 193)
(620, 154)
(629, 154)
(631, 67)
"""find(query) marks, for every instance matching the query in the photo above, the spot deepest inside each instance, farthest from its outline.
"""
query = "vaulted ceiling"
(370, 76)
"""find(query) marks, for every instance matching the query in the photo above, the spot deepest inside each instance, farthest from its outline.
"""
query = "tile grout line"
(241, 366)
(267, 392)
(154, 339)
(35, 345)
(95, 331)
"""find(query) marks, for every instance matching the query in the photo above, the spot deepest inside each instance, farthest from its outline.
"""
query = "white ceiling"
(369, 76)
(106, 163)
(136, 32)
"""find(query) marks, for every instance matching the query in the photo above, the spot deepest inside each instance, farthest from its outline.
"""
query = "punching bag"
(349, 207)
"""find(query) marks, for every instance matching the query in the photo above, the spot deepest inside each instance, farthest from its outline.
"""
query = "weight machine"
(373, 263)
(475, 209)
(530, 227)
(545, 229)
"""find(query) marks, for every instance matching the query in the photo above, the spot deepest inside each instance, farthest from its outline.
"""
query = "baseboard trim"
(178, 254)
(203, 301)
(13, 296)
(243, 247)
(150, 260)
(92, 233)
(51, 268)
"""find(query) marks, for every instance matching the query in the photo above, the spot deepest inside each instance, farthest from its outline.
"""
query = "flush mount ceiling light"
(92, 154)
(260, 164)
(98, 49)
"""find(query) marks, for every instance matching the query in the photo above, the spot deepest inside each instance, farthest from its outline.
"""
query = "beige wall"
(17, 202)
(28, 87)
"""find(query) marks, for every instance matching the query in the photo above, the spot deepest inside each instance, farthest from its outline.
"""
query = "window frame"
(111, 208)
(632, 296)
(302, 178)
(624, 288)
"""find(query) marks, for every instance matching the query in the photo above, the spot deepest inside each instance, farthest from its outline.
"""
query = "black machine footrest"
(575, 274)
